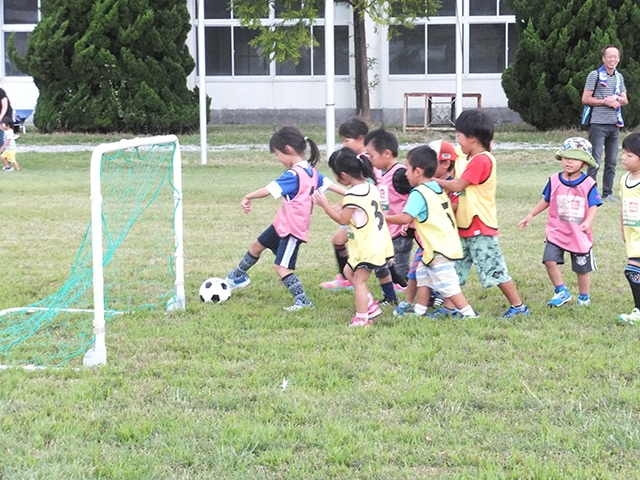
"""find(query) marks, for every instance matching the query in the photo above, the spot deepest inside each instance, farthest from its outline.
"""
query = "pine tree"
(112, 65)
(560, 43)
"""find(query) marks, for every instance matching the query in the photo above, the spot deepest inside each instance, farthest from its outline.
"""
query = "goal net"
(130, 258)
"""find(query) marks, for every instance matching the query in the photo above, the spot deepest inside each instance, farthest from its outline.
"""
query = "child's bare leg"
(410, 292)
(458, 301)
(16, 166)
(359, 280)
(508, 288)
(555, 275)
(422, 295)
(584, 283)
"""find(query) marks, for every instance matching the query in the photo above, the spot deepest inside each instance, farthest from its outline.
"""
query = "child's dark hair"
(631, 143)
(423, 157)
(356, 165)
(478, 124)
(353, 128)
(8, 121)
(382, 140)
(292, 137)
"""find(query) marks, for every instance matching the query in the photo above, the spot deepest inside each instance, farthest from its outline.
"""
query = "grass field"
(200, 394)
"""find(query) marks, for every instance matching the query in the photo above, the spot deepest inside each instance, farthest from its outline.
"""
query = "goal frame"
(97, 354)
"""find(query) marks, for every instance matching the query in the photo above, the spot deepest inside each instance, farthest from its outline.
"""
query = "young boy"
(446, 154)
(430, 209)
(477, 219)
(630, 219)
(382, 148)
(9, 148)
(572, 199)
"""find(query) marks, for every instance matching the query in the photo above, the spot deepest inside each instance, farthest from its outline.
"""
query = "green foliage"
(112, 65)
(560, 43)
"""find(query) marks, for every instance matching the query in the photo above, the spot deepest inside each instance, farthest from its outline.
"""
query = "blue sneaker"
(584, 301)
(239, 282)
(513, 311)
(404, 308)
(443, 312)
(560, 298)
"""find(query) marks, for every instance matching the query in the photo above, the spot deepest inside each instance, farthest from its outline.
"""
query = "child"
(352, 134)
(477, 220)
(429, 207)
(572, 199)
(369, 241)
(446, 154)
(382, 148)
(9, 148)
(630, 193)
(291, 226)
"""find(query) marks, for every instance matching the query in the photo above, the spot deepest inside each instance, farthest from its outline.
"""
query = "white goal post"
(97, 355)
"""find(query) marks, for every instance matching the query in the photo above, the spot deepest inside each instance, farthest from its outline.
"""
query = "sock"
(341, 257)
(420, 309)
(583, 296)
(388, 291)
(633, 277)
(363, 317)
(369, 298)
(560, 287)
(292, 282)
(468, 311)
(245, 264)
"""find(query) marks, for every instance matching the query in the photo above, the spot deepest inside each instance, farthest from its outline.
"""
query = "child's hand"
(585, 226)
(246, 205)
(525, 222)
(320, 199)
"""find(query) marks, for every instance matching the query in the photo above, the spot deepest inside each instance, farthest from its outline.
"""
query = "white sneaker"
(298, 306)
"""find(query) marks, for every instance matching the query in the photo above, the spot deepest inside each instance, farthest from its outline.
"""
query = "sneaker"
(7, 169)
(239, 282)
(404, 308)
(388, 301)
(513, 311)
(339, 283)
(374, 310)
(443, 312)
(356, 322)
(298, 306)
(609, 198)
(399, 288)
(584, 301)
(629, 319)
(560, 298)
(436, 300)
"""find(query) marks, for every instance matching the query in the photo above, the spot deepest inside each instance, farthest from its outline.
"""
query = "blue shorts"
(285, 249)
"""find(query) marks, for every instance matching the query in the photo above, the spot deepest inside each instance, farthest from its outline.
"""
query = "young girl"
(291, 226)
(369, 241)
(352, 135)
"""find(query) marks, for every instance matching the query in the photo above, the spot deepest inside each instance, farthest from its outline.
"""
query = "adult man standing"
(605, 91)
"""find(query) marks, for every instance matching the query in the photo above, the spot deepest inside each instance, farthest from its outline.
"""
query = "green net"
(139, 244)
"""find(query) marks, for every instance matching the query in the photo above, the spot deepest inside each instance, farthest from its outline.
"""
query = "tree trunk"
(363, 104)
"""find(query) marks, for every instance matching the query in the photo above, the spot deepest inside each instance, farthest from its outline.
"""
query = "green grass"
(198, 394)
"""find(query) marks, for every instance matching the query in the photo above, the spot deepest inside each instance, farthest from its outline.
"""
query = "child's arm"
(540, 207)
(339, 189)
(399, 218)
(246, 201)
(455, 185)
(338, 213)
(585, 226)
(4, 145)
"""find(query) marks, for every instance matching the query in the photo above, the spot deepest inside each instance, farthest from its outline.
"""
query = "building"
(247, 88)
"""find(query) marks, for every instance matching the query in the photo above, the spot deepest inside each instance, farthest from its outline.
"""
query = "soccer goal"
(131, 258)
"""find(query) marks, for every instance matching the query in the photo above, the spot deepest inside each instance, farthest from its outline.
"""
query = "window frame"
(10, 28)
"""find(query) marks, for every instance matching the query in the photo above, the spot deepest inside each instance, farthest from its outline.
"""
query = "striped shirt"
(603, 114)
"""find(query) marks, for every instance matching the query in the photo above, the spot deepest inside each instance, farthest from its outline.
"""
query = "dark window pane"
(248, 60)
(20, 11)
(406, 51)
(215, 9)
(505, 9)
(482, 7)
(447, 8)
(20, 41)
(514, 38)
(303, 67)
(341, 47)
(441, 49)
(218, 50)
(486, 48)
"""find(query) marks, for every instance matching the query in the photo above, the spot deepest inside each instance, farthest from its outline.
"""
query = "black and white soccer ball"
(214, 290)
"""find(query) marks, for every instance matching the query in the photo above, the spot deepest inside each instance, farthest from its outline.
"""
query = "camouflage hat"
(577, 148)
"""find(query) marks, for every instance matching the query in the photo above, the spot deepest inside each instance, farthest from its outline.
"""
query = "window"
(406, 51)
(441, 49)
(228, 52)
(487, 52)
(20, 12)
(20, 18)
(20, 42)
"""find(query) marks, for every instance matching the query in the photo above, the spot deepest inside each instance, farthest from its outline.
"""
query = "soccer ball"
(214, 290)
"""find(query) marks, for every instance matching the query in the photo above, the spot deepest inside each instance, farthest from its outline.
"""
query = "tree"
(560, 43)
(112, 65)
(284, 40)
